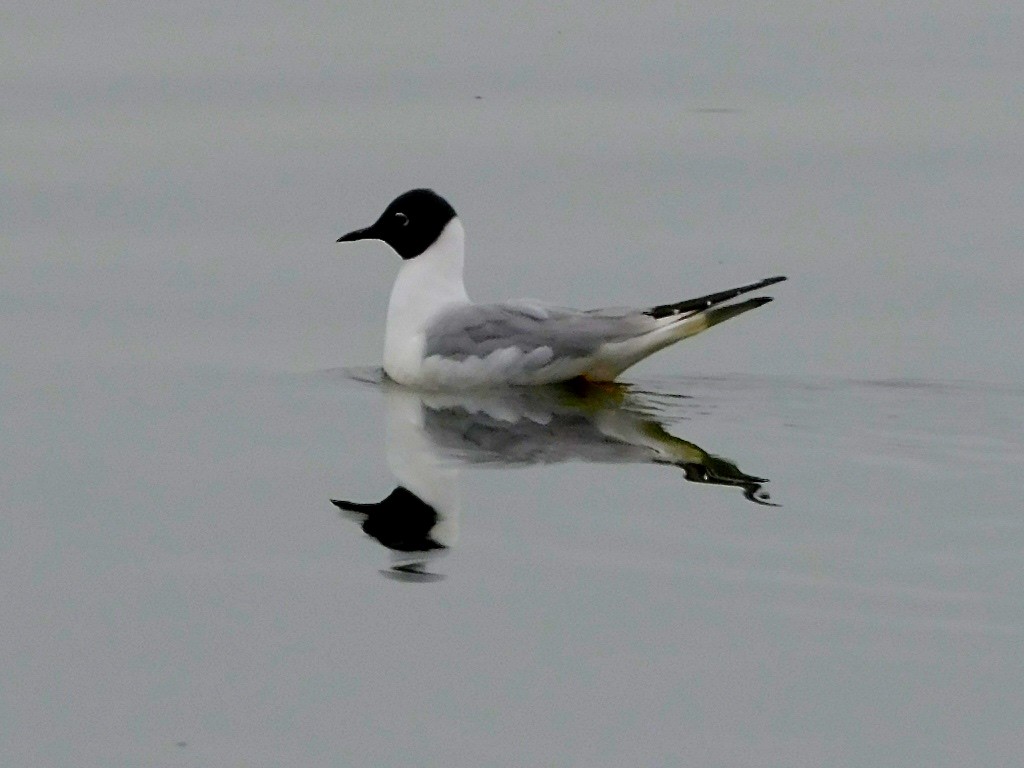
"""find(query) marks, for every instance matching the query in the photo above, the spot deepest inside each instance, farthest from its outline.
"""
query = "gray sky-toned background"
(175, 175)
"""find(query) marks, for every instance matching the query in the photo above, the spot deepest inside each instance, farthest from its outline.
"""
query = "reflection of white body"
(418, 467)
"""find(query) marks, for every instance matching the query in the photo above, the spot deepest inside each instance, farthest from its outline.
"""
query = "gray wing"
(478, 330)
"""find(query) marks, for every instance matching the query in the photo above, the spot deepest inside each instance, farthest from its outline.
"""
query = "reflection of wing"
(544, 425)
(480, 438)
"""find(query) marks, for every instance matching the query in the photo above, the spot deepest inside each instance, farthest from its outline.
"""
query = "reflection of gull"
(430, 434)
(419, 520)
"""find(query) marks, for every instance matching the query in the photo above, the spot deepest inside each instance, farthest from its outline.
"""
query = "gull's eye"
(401, 219)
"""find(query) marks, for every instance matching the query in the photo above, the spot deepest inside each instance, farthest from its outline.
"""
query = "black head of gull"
(410, 224)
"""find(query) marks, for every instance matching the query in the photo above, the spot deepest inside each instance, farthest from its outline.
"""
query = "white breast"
(426, 285)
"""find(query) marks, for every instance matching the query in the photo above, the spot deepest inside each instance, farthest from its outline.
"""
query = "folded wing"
(528, 343)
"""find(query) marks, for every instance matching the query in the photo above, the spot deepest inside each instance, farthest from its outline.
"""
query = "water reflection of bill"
(429, 435)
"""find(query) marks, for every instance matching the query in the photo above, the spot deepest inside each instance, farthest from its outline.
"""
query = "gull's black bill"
(367, 233)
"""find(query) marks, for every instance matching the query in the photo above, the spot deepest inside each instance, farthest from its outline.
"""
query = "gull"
(437, 339)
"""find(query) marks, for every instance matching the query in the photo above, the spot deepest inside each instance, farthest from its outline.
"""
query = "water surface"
(603, 590)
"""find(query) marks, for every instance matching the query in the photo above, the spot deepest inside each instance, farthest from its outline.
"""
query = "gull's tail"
(701, 321)
(675, 322)
(688, 318)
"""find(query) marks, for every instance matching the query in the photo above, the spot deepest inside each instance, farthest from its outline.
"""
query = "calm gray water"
(793, 541)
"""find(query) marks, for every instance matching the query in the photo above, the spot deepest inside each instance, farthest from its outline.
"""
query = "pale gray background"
(187, 167)
(171, 302)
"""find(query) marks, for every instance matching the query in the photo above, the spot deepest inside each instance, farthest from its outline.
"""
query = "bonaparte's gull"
(436, 338)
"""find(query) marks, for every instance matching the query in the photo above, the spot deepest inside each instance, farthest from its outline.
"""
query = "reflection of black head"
(410, 225)
(402, 521)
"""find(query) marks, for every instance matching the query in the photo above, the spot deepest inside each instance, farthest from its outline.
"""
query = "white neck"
(434, 277)
(425, 284)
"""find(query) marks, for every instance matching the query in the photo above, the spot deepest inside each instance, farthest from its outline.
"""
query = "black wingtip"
(706, 302)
